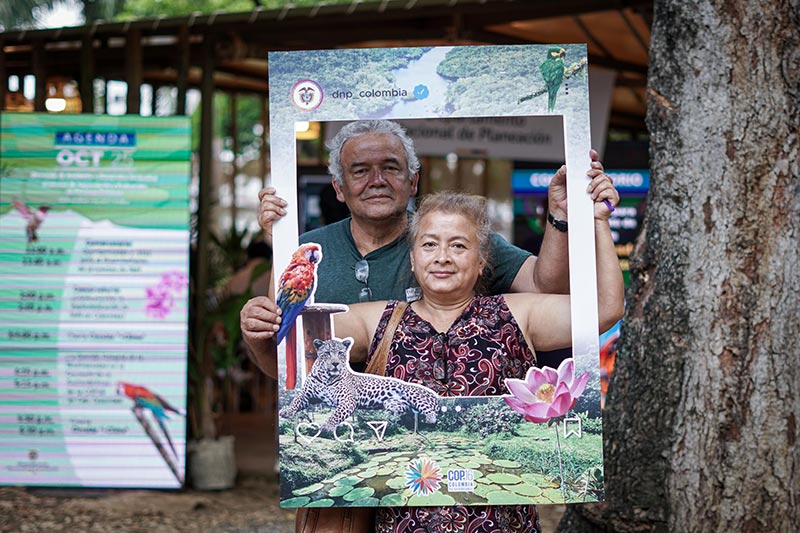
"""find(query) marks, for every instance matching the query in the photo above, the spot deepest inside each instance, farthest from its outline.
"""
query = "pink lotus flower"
(546, 393)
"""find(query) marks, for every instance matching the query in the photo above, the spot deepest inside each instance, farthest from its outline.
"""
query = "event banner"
(94, 257)
(365, 440)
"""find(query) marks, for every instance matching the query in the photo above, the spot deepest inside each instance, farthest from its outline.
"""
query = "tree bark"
(701, 422)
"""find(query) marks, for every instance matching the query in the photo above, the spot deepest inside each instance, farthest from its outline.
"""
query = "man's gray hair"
(367, 127)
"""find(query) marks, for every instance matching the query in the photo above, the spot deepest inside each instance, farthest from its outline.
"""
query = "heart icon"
(309, 426)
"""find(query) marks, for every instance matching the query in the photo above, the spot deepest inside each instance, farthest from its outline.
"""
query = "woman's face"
(445, 257)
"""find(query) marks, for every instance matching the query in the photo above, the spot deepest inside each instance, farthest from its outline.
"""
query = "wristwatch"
(560, 225)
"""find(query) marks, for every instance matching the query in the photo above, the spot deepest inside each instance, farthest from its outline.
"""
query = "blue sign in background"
(533, 181)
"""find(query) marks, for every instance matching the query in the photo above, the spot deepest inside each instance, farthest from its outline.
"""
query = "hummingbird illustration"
(33, 217)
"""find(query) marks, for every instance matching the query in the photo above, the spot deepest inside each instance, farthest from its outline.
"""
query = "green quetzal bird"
(553, 73)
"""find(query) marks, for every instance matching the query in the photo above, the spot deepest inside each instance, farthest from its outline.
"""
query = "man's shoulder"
(336, 231)
(501, 247)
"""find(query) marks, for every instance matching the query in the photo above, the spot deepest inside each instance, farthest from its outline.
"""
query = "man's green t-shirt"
(390, 276)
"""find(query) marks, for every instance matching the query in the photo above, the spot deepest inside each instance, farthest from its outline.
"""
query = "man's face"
(375, 184)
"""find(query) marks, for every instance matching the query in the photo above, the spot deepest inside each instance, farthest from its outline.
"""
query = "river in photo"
(420, 71)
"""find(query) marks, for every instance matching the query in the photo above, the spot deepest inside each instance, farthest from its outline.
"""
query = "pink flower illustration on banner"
(175, 280)
(160, 298)
(546, 393)
(159, 301)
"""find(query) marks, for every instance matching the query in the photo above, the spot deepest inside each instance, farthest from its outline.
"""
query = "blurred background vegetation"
(27, 14)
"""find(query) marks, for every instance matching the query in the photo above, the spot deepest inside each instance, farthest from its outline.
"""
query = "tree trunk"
(701, 422)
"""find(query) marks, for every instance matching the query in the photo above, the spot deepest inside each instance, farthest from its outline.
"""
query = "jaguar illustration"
(332, 382)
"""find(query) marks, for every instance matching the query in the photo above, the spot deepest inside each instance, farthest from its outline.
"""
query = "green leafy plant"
(212, 362)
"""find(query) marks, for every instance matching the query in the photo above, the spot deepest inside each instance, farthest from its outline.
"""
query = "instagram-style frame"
(447, 82)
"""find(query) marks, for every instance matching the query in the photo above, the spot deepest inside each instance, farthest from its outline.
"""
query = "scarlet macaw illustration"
(145, 400)
(297, 284)
(34, 218)
(553, 73)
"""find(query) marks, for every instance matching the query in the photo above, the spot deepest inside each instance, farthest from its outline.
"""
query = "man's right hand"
(260, 319)
(270, 209)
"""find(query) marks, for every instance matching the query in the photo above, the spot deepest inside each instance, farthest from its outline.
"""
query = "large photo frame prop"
(362, 460)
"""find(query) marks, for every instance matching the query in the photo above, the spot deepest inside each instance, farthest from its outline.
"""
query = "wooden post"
(204, 194)
(317, 324)
(133, 70)
(40, 73)
(183, 69)
(86, 85)
(3, 76)
(232, 105)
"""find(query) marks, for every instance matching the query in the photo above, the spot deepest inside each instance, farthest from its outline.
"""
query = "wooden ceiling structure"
(228, 51)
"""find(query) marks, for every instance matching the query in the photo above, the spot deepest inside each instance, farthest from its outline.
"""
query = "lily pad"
(482, 489)
(324, 502)
(525, 489)
(554, 495)
(502, 497)
(396, 483)
(366, 502)
(392, 454)
(505, 463)
(335, 478)
(539, 480)
(504, 479)
(372, 472)
(437, 498)
(296, 502)
(341, 490)
(308, 490)
(393, 500)
(348, 481)
(359, 493)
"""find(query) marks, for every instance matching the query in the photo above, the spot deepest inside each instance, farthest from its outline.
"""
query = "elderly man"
(375, 172)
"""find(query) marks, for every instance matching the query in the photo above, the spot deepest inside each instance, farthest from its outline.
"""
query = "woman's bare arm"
(360, 323)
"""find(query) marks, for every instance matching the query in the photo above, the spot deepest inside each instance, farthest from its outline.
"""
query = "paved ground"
(250, 507)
